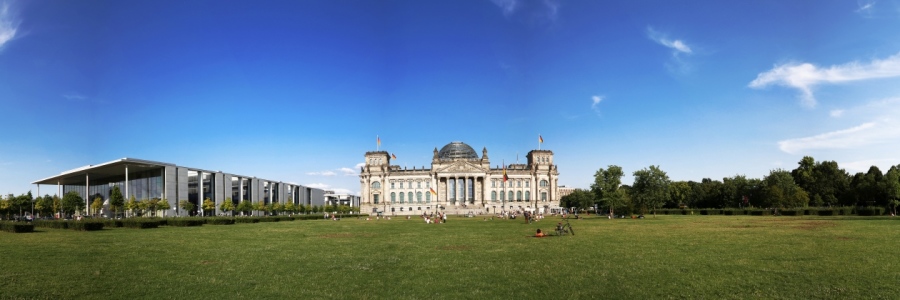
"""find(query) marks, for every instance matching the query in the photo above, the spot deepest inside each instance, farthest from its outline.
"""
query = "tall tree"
(735, 190)
(782, 192)
(72, 202)
(164, 206)
(892, 187)
(97, 205)
(44, 205)
(579, 198)
(116, 200)
(679, 194)
(606, 187)
(831, 184)
(650, 189)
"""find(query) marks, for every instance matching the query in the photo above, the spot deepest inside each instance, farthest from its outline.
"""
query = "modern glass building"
(146, 179)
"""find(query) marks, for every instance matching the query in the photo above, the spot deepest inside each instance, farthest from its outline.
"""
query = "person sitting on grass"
(539, 233)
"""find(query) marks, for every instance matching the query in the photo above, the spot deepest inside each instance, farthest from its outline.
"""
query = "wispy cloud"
(342, 171)
(323, 173)
(318, 185)
(679, 49)
(595, 101)
(9, 25)
(881, 128)
(864, 165)
(360, 165)
(324, 186)
(74, 96)
(866, 8)
(836, 113)
(805, 76)
(534, 12)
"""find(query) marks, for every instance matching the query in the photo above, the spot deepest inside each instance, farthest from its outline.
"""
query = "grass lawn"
(662, 257)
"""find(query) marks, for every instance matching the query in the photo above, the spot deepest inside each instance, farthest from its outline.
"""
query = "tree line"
(811, 184)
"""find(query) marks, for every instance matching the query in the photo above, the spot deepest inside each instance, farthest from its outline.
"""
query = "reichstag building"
(459, 181)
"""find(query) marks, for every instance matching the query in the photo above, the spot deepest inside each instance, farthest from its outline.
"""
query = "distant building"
(459, 181)
(332, 198)
(146, 179)
(565, 191)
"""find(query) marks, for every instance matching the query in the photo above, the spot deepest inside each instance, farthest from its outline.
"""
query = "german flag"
(433, 192)
(393, 156)
(505, 177)
(540, 139)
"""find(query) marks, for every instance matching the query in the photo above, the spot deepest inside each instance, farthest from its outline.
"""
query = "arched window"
(510, 196)
(409, 196)
(376, 185)
(544, 196)
(419, 197)
(393, 197)
(401, 197)
(494, 196)
(375, 198)
(502, 196)
(428, 197)
(527, 195)
(544, 183)
(519, 196)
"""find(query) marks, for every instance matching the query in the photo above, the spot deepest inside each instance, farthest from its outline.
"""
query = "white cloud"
(318, 186)
(347, 171)
(508, 7)
(876, 136)
(865, 8)
(837, 113)
(805, 76)
(595, 101)
(678, 64)
(360, 165)
(864, 165)
(74, 96)
(323, 173)
(678, 46)
(535, 12)
(8, 24)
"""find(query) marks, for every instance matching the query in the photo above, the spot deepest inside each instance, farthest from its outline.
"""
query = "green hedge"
(185, 222)
(269, 219)
(711, 211)
(140, 223)
(86, 225)
(247, 220)
(827, 212)
(16, 227)
(845, 211)
(792, 212)
(870, 211)
(220, 221)
(53, 224)
(111, 223)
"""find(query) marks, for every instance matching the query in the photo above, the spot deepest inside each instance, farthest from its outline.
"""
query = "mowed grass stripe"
(656, 257)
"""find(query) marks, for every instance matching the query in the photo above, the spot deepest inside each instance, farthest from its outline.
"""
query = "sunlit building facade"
(458, 181)
(144, 179)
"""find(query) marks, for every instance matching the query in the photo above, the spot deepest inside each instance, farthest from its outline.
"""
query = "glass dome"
(455, 150)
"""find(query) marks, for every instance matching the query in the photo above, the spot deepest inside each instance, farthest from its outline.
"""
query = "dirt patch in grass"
(206, 262)
(453, 248)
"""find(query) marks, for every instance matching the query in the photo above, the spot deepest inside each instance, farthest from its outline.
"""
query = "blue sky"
(298, 90)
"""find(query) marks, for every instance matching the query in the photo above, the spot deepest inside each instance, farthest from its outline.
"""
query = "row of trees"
(810, 184)
(72, 202)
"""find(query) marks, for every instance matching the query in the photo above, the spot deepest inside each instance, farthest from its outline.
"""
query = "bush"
(16, 227)
(827, 212)
(711, 211)
(845, 211)
(220, 221)
(53, 224)
(269, 219)
(185, 222)
(86, 225)
(140, 223)
(110, 223)
(791, 212)
(247, 220)
(870, 211)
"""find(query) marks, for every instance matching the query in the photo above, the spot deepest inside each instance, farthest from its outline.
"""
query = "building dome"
(455, 150)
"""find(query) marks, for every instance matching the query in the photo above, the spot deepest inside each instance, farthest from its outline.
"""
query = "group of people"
(432, 218)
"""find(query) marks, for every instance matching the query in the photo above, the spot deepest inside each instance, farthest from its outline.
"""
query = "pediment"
(460, 167)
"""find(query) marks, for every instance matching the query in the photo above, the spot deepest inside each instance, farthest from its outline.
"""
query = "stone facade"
(459, 181)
